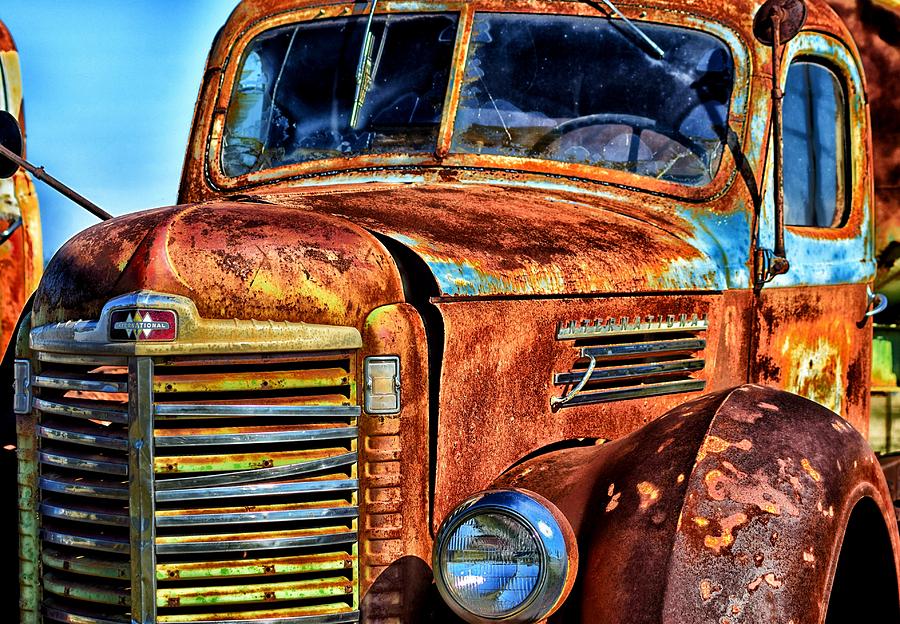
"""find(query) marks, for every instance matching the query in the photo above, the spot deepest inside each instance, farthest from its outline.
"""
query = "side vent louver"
(632, 358)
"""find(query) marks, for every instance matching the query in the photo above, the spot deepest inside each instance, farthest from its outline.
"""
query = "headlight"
(505, 555)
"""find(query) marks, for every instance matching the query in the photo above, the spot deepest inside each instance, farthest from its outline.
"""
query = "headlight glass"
(492, 564)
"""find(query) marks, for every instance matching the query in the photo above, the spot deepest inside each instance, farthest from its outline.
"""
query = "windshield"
(586, 90)
(574, 89)
(293, 98)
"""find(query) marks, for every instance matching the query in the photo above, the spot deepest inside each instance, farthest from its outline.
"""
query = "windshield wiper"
(640, 33)
(363, 70)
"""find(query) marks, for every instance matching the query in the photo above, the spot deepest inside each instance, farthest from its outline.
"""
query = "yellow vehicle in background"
(21, 251)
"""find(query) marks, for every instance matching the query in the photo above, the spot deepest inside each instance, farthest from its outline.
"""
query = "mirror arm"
(43, 176)
(779, 263)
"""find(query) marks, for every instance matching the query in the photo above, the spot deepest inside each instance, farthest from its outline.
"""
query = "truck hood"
(315, 255)
(484, 240)
(234, 260)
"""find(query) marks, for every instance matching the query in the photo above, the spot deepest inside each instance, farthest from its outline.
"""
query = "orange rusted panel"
(816, 342)
(395, 540)
(510, 349)
(21, 256)
(286, 264)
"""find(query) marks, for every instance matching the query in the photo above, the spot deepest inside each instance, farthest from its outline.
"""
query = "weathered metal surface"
(395, 537)
(711, 525)
(480, 240)
(484, 432)
(21, 256)
(286, 265)
(816, 342)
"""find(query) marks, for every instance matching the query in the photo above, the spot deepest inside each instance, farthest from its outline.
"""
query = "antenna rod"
(43, 176)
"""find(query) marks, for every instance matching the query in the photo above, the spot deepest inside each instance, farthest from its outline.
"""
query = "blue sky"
(109, 91)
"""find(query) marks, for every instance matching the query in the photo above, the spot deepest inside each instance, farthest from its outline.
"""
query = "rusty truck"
(481, 311)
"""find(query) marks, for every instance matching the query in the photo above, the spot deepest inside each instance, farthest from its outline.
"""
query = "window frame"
(395, 165)
(843, 206)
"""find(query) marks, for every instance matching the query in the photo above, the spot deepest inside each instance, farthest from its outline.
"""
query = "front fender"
(729, 508)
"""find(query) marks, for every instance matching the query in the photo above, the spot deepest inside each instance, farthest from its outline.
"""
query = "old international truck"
(500, 311)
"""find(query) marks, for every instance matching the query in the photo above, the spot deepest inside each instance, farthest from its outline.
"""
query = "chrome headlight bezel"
(550, 530)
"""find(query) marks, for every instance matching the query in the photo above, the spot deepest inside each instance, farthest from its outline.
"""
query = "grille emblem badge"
(141, 325)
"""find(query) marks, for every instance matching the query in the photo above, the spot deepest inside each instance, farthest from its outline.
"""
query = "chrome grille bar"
(178, 410)
(618, 373)
(262, 489)
(640, 349)
(259, 474)
(83, 487)
(80, 411)
(261, 437)
(636, 392)
(82, 435)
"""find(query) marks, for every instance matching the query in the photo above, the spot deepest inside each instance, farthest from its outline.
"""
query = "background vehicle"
(461, 309)
(21, 261)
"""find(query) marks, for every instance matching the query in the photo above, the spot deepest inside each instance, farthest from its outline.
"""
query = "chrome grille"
(82, 430)
(632, 358)
(256, 488)
(254, 483)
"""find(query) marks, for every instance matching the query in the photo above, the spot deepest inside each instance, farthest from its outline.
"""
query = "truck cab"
(475, 311)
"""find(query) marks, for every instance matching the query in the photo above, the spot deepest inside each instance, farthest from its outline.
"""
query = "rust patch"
(649, 494)
(726, 537)
(708, 589)
(810, 470)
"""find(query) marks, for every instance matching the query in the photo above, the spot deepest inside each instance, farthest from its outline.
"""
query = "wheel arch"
(730, 506)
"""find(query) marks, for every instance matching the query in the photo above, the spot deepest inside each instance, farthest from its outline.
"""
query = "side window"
(814, 146)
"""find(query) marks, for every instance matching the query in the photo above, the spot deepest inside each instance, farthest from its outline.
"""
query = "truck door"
(21, 255)
(812, 335)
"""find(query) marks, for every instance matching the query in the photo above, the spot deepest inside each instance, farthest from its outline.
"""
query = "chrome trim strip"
(196, 334)
(166, 410)
(84, 541)
(197, 519)
(256, 544)
(262, 489)
(635, 392)
(630, 372)
(81, 360)
(84, 385)
(630, 326)
(258, 474)
(141, 502)
(55, 510)
(348, 617)
(276, 437)
(91, 463)
(585, 378)
(76, 436)
(61, 614)
(657, 347)
(77, 411)
(81, 487)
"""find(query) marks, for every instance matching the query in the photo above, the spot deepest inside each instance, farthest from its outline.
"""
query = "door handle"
(877, 302)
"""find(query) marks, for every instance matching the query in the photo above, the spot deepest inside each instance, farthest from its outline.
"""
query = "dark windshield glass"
(586, 90)
(294, 93)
